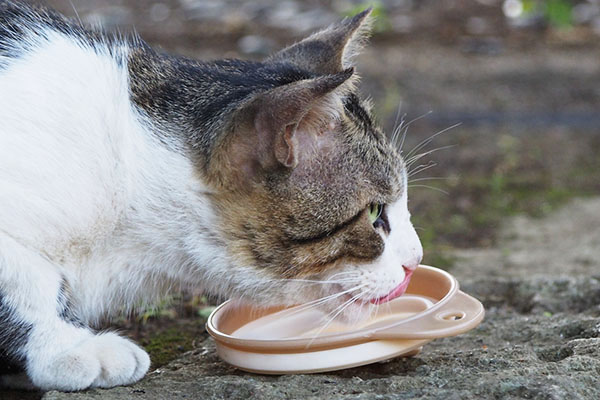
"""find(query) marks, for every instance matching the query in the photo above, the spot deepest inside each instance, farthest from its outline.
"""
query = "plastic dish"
(292, 340)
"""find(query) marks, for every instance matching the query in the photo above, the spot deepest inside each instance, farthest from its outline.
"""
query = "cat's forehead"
(381, 159)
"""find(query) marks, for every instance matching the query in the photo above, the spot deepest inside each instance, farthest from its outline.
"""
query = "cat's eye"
(375, 210)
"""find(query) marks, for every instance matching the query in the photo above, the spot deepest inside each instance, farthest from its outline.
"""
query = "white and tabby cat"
(125, 173)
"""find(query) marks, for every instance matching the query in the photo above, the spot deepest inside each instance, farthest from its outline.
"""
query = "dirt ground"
(517, 224)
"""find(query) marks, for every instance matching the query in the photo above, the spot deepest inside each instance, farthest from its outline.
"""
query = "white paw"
(104, 360)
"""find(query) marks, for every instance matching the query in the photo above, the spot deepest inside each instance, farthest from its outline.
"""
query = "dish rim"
(331, 340)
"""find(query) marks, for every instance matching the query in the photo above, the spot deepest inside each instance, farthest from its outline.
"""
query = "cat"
(126, 174)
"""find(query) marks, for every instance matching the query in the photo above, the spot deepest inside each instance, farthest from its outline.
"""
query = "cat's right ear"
(277, 127)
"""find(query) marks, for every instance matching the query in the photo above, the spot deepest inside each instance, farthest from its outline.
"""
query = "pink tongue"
(397, 291)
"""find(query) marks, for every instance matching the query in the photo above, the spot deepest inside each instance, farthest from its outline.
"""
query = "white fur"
(89, 195)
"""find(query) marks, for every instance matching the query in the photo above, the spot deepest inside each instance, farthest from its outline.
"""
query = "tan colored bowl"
(292, 340)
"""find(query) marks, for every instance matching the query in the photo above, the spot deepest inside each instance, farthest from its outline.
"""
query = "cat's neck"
(192, 102)
(161, 241)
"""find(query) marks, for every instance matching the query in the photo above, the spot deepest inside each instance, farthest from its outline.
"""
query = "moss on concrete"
(169, 344)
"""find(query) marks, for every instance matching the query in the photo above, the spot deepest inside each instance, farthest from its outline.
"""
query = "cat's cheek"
(402, 252)
(402, 243)
(403, 249)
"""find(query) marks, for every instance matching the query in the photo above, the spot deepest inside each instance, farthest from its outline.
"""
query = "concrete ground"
(540, 338)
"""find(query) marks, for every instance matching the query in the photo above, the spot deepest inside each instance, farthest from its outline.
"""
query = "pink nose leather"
(411, 266)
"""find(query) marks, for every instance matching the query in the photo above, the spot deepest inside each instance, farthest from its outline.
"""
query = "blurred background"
(513, 85)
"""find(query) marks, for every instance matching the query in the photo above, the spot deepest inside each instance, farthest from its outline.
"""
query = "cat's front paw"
(104, 360)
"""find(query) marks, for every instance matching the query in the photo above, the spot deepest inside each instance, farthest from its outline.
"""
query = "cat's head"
(310, 188)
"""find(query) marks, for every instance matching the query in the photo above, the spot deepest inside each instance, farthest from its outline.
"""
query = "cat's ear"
(286, 109)
(331, 50)
(278, 128)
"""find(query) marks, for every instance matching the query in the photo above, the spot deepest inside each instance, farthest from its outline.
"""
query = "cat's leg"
(56, 351)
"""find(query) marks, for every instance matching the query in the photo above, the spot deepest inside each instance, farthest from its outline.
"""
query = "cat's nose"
(411, 266)
(414, 263)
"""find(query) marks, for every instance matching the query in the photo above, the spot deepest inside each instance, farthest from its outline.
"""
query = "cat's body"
(123, 175)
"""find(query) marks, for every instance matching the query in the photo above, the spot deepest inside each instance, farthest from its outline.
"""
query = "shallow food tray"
(294, 340)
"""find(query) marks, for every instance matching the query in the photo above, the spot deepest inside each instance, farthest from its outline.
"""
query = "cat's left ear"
(331, 50)
(281, 127)
(302, 106)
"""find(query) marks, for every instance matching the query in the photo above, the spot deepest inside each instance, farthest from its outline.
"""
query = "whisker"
(373, 307)
(346, 277)
(343, 306)
(388, 307)
(397, 131)
(404, 133)
(322, 300)
(416, 157)
(430, 178)
(421, 168)
(396, 126)
(341, 309)
(430, 138)
(352, 273)
(430, 187)
(331, 296)
(317, 281)
(404, 127)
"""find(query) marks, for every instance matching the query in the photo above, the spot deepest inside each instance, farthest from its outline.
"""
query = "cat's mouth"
(398, 290)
